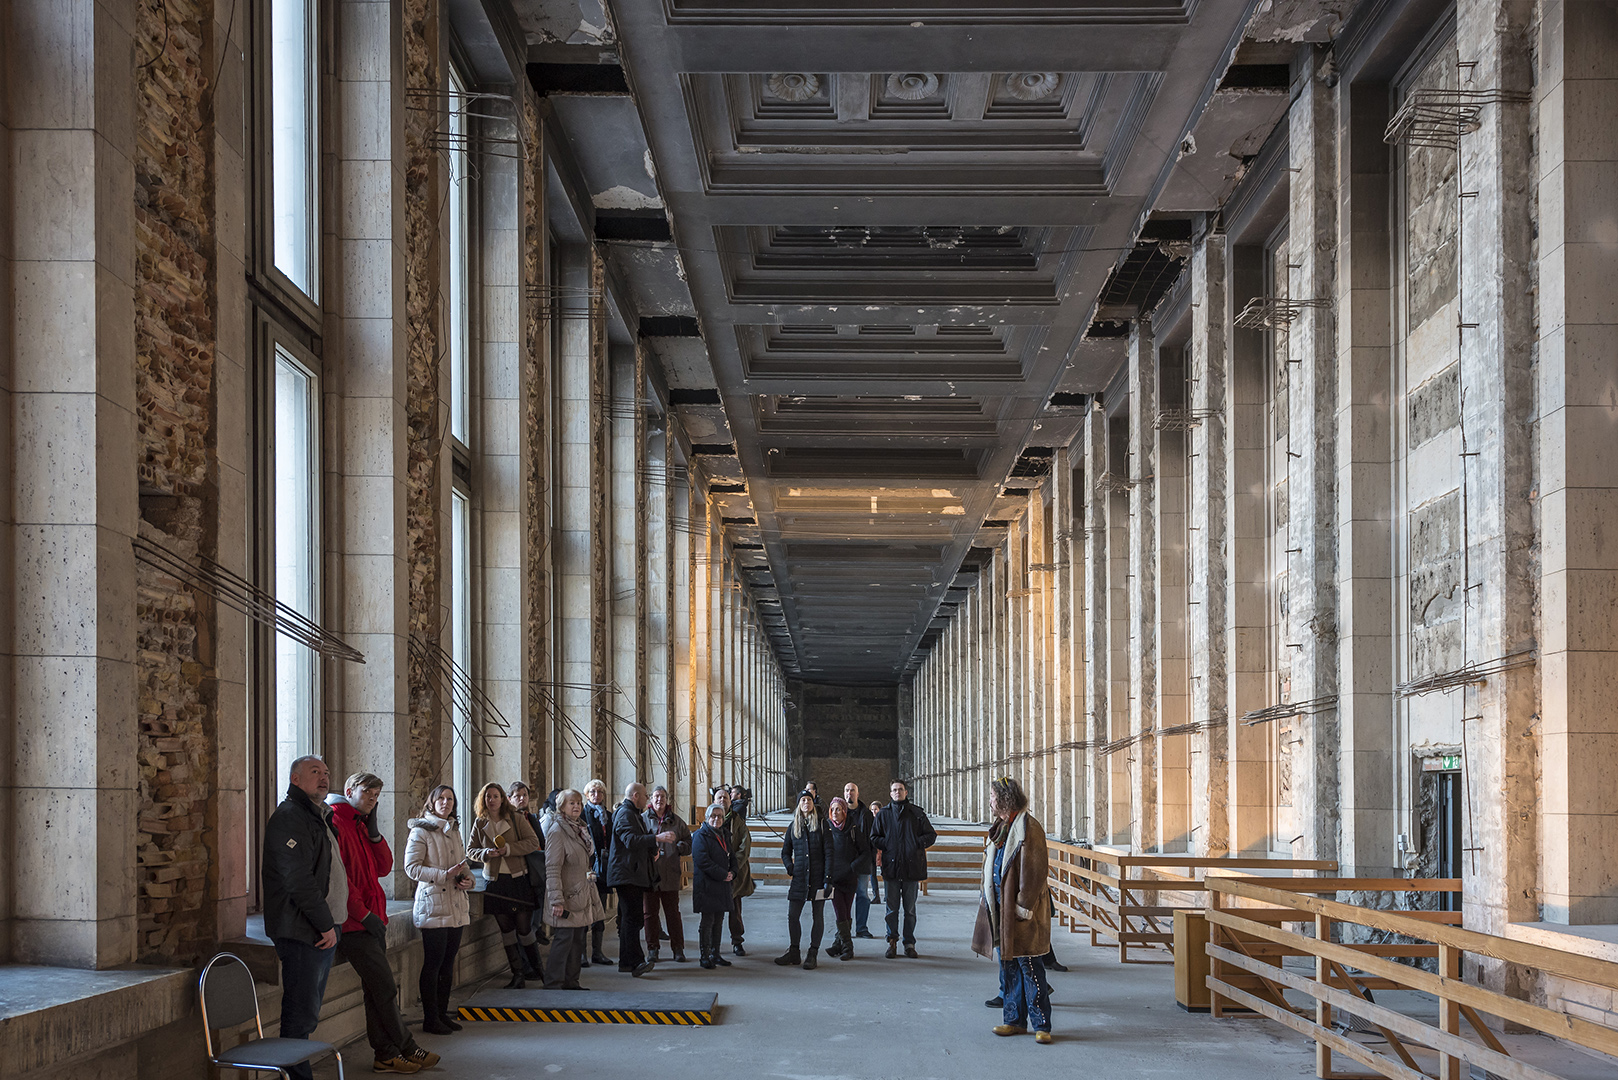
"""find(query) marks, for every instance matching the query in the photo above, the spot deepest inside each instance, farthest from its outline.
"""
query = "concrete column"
(682, 612)
(367, 556)
(1579, 560)
(1067, 664)
(1207, 531)
(1248, 661)
(574, 545)
(1173, 700)
(497, 460)
(1365, 477)
(657, 687)
(700, 650)
(1096, 584)
(71, 385)
(1142, 588)
(1497, 393)
(1119, 603)
(625, 565)
(1036, 583)
(1311, 627)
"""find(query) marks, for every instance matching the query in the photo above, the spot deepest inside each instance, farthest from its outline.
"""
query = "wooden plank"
(1556, 1024)
(1340, 884)
(1552, 961)
(1384, 1066)
(1445, 1043)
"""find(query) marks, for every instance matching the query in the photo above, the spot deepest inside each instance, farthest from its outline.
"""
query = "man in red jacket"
(364, 941)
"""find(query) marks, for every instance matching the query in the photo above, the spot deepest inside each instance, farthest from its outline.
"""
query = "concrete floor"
(875, 1019)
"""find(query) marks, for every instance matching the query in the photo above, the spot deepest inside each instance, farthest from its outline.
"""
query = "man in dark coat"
(629, 870)
(741, 849)
(305, 896)
(903, 834)
(860, 815)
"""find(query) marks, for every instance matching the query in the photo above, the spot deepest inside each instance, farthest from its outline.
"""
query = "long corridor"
(877, 1019)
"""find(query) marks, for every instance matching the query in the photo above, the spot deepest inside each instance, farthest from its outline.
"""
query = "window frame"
(271, 338)
(305, 306)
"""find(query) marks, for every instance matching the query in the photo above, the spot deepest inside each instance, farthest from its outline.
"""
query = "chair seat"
(273, 1053)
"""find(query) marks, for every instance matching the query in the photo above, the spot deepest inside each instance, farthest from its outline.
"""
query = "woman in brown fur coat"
(1014, 914)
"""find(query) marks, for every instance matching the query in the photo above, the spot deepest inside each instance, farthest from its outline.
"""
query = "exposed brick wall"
(174, 385)
(423, 415)
(536, 367)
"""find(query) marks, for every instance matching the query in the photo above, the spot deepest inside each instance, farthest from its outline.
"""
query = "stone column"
(657, 687)
(1067, 663)
(1497, 317)
(1097, 583)
(1141, 644)
(1311, 627)
(575, 544)
(497, 459)
(681, 615)
(1365, 476)
(1207, 532)
(70, 382)
(1173, 704)
(626, 564)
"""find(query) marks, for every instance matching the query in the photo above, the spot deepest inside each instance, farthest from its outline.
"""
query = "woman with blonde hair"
(501, 839)
(436, 862)
(572, 903)
(1014, 912)
(805, 855)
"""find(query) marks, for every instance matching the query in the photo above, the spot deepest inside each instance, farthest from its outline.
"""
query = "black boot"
(836, 946)
(447, 1018)
(514, 958)
(790, 958)
(432, 1014)
(532, 967)
(596, 955)
(845, 940)
(809, 962)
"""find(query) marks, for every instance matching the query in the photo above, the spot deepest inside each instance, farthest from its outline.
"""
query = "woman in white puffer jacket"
(435, 859)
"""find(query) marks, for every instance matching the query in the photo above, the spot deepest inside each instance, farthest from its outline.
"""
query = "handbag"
(536, 859)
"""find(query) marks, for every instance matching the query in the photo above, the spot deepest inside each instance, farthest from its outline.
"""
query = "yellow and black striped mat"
(590, 1007)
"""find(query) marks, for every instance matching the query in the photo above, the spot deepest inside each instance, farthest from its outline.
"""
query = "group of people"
(573, 857)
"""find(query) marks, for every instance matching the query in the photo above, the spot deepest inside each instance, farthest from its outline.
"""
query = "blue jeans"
(862, 905)
(304, 968)
(1023, 993)
(902, 892)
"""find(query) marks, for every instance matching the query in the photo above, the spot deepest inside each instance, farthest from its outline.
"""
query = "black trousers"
(737, 930)
(439, 944)
(384, 1027)
(817, 922)
(711, 931)
(631, 919)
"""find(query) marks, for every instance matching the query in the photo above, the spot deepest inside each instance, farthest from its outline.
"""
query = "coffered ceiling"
(895, 221)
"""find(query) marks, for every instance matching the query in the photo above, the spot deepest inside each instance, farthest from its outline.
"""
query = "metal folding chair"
(229, 999)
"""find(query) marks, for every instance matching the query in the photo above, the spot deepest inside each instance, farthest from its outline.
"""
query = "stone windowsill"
(50, 1015)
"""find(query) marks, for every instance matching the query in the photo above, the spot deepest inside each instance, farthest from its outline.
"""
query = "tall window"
(459, 212)
(297, 548)
(461, 639)
(294, 143)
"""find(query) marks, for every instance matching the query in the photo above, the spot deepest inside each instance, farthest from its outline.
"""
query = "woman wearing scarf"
(713, 869)
(572, 903)
(502, 840)
(848, 853)
(1014, 914)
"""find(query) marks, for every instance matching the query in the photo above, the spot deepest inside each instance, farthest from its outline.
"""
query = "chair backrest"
(225, 989)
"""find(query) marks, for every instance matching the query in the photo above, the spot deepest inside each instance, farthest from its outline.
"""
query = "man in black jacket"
(903, 834)
(861, 815)
(305, 897)
(629, 870)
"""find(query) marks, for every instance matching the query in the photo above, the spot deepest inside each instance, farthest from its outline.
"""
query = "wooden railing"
(956, 860)
(1249, 942)
(1132, 898)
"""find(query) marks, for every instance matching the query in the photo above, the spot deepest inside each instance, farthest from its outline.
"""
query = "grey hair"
(713, 808)
(661, 788)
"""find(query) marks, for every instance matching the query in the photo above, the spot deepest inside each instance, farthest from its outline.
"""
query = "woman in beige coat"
(502, 839)
(572, 903)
